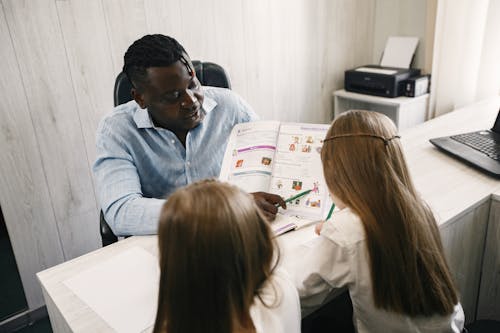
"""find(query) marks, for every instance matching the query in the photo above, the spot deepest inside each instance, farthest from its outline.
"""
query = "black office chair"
(208, 73)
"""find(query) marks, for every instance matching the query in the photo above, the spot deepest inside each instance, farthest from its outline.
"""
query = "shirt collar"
(143, 119)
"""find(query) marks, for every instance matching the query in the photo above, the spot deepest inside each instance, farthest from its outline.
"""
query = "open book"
(280, 158)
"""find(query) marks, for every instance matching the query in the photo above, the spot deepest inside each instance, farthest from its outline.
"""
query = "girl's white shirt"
(338, 258)
(280, 310)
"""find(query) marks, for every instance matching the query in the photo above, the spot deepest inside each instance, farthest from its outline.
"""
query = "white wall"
(403, 18)
(466, 66)
(59, 61)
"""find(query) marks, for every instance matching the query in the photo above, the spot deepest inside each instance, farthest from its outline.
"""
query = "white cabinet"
(404, 111)
(488, 306)
(463, 242)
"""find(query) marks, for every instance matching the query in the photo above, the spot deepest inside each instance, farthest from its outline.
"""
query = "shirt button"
(188, 163)
(173, 141)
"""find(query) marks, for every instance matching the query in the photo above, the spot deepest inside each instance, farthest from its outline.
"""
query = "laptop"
(480, 149)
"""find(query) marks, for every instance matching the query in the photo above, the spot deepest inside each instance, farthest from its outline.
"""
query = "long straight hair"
(409, 273)
(216, 252)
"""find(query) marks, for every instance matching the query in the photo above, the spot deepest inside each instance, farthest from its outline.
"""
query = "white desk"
(460, 196)
(404, 111)
(70, 314)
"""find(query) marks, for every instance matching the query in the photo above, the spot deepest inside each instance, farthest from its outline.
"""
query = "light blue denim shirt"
(138, 165)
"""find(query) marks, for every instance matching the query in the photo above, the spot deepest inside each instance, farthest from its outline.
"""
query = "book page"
(248, 161)
(297, 168)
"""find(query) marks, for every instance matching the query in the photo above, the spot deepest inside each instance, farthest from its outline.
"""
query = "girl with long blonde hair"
(218, 266)
(384, 243)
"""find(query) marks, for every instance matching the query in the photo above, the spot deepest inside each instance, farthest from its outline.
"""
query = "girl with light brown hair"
(218, 266)
(384, 243)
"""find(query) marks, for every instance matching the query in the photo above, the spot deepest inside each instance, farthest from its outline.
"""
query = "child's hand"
(318, 227)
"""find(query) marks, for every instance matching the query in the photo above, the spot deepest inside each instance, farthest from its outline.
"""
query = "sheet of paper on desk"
(122, 290)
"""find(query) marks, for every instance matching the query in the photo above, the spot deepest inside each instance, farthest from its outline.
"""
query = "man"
(173, 133)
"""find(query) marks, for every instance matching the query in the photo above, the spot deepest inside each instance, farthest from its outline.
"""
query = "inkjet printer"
(378, 80)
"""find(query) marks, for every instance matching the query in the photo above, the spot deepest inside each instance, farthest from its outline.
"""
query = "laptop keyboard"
(483, 143)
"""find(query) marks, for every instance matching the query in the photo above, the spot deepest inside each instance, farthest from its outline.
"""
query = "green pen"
(330, 212)
(301, 194)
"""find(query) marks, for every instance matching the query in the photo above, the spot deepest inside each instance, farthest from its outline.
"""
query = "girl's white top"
(339, 258)
(280, 310)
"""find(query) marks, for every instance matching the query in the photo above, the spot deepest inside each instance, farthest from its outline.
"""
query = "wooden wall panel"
(43, 62)
(88, 53)
(281, 56)
(313, 53)
(284, 57)
(227, 34)
(125, 23)
(258, 60)
(164, 17)
(350, 42)
(198, 28)
(403, 18)
(24, 192)
(319, 69)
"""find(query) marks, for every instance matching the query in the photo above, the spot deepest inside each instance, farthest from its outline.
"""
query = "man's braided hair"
(150, 51)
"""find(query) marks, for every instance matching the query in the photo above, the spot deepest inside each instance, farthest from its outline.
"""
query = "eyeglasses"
(386, 140)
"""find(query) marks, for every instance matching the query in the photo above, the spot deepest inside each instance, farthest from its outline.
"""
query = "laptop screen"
(496, 127)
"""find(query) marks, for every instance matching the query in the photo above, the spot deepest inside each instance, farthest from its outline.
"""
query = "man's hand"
(268, 203)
